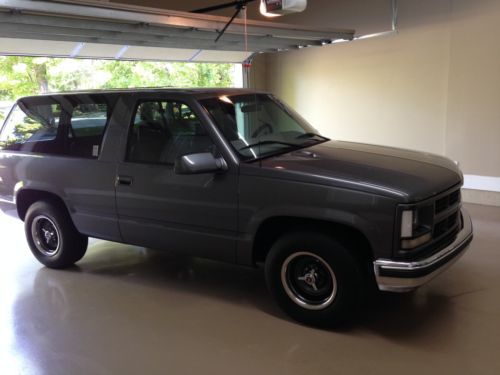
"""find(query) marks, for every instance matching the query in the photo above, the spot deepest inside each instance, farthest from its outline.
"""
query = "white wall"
(374, 91)
(434, 86)
(473, 111)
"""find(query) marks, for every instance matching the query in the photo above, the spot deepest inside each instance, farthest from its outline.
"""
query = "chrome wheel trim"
(46, 235)
(295, 295)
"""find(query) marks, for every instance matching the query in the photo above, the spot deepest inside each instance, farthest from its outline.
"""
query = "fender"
(245, 248)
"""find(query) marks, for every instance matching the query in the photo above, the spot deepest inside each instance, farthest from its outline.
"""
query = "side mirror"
(203, 162)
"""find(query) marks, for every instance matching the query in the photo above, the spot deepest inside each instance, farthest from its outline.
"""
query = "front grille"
(447, 201)
(446, 214)
(446, 225)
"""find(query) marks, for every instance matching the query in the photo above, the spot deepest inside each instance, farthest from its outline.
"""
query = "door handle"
(124, 180)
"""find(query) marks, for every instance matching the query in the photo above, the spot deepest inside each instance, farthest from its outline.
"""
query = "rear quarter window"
(89, 120)
(72, 125)
(88, 124)
(31, 128)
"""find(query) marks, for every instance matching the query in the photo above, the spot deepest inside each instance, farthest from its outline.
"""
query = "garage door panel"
(142, 33)
(216, 56)
(11, 46)
(172, 54)
(97, 50)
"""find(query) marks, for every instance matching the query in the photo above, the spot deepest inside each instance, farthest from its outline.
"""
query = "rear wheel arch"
(26, 197)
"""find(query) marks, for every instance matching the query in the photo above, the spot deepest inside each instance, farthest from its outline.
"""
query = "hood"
(405, 175)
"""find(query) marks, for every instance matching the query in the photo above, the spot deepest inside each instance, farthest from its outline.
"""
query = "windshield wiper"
(262, 143)
(311, 135)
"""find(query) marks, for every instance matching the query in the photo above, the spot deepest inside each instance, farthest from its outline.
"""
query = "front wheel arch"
(273, 228)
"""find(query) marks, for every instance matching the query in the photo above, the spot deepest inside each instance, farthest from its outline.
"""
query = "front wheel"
(52, 237)
(314, 278)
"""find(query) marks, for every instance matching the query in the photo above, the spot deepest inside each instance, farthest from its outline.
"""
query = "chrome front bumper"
(396, 276)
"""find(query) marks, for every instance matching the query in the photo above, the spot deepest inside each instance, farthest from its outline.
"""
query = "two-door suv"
(236, 176)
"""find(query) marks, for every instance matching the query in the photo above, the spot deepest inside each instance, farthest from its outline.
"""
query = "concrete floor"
(127, 310)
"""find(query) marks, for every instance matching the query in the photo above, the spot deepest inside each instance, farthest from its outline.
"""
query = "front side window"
(31, 128)
(258, 125)
(165, 130)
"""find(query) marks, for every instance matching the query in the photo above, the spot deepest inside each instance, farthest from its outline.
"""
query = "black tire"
(52, 236)
(331, 286)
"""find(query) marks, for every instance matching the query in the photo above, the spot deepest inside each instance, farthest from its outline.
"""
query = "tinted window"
(89, 120)
(164, 130)
(32, 128)
(70, 125)
(88, 123)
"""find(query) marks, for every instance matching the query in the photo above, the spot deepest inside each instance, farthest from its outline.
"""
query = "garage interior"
(422, 75)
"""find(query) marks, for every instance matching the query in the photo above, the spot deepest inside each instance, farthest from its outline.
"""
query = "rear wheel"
(314, 279)
(52, 237)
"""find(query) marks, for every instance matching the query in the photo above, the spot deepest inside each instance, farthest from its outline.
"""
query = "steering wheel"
(265, 126)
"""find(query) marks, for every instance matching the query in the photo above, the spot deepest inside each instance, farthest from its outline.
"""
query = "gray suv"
(235, 176)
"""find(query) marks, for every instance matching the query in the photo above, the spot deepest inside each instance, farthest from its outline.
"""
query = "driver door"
(157, 208)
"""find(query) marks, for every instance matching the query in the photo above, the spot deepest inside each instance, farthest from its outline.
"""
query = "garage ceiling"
(112, 31)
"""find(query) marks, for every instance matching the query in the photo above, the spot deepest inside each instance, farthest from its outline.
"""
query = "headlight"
(407, 224)
(415, 227)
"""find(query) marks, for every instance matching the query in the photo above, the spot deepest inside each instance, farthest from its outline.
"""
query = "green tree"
(21, 76)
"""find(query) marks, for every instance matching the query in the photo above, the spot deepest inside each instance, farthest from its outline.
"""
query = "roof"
(152, 90)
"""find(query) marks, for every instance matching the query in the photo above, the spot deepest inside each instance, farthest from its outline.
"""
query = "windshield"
(258, 125)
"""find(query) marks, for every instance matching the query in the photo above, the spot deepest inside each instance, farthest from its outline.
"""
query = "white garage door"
(114, 31)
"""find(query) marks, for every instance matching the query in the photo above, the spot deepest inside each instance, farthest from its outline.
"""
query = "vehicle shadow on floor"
(184, 274)
(400, 317)
(408, 317)
(392, 315)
